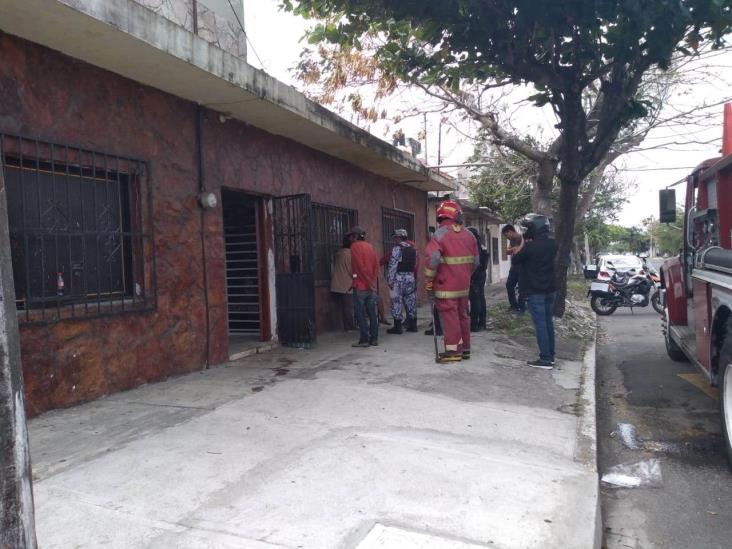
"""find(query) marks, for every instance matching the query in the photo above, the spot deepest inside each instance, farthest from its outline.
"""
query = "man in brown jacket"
(341, 284)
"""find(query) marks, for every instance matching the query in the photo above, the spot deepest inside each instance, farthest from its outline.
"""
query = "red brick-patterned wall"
(47, 95)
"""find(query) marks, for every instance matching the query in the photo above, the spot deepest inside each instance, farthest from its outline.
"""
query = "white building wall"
(218, 21)
(504, 264)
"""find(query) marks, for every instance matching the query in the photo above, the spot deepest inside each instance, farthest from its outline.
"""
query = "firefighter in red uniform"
(452, 256)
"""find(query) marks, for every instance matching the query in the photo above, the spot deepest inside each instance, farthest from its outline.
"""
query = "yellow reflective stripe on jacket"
(458, 260)
(429, 273)
(444, 294)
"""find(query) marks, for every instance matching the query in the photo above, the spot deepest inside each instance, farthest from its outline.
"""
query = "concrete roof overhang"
(126, 38)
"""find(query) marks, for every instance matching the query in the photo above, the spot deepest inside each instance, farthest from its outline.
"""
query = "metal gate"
(295, 278)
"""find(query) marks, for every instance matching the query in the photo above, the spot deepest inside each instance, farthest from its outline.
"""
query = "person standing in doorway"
(452, 256)
(536, 258)
(477, 286)
(512, 284)
(402, 284)
(341, 284)
(365, 267)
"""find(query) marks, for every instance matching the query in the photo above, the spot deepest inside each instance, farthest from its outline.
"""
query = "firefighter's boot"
(449, 356)
(397, 328)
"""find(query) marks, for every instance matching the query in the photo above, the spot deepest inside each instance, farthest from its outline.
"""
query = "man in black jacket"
(477, 286)
(535, 258)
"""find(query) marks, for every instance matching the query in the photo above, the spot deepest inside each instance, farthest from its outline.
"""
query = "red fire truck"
(697, 285)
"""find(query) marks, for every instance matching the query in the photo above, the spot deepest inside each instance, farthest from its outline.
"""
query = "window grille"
(396, 219)
(494, 250)
(80, 231)
(331, 223)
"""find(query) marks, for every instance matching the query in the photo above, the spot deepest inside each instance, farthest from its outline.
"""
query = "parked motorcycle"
(629, 289)
(655, 278)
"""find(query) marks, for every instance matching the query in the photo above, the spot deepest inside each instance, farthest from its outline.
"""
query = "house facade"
(169, 205)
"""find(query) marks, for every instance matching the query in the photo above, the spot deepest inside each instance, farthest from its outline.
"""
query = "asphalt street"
(668, 416)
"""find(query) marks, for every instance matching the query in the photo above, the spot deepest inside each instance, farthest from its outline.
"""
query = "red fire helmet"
(449, 209)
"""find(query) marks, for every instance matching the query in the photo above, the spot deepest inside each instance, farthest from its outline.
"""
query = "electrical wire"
(655, 169)
(246, 36)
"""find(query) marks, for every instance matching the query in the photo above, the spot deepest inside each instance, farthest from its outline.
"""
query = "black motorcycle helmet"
(535, 225)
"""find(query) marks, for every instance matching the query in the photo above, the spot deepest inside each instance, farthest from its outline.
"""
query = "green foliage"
(667, 238)
(505, 185)
(619, 240)
(564, 49)
(556, 45)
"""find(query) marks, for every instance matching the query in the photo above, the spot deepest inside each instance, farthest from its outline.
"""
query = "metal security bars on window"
(331, 223)
(79, 231)
(396, 219)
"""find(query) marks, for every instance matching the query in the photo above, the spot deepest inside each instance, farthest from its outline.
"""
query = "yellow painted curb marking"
(701, 382)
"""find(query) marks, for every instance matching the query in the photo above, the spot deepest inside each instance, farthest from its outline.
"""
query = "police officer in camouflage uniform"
(402, 285)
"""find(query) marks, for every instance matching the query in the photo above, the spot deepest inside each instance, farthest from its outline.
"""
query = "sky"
(671, 152)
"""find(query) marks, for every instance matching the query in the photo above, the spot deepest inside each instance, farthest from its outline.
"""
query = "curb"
(586, 452)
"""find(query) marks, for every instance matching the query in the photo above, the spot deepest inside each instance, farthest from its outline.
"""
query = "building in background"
(170, 206)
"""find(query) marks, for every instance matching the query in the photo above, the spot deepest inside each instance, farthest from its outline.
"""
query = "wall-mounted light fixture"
(208, 200)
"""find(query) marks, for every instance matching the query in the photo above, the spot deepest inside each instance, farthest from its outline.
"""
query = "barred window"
(330, 224)
(504, 247)
(494, 250)
(392, 220)
(79, 231)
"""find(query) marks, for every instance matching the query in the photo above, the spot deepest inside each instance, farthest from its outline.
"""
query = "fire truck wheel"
(673, 350)
(725, 394)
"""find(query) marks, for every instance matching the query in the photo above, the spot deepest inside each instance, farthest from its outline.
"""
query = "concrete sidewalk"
(331, 448)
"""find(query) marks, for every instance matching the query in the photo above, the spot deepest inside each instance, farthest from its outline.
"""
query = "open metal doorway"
(243, 277)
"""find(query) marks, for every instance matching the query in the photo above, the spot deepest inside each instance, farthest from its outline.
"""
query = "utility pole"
(17, 523)
(426, 156)
(439, 146)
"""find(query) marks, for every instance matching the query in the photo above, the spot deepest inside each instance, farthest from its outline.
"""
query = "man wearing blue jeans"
(535, 258)
(364, 302)
(365, 269)
(541, 307)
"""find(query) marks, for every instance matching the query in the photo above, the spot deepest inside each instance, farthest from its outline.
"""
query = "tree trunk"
(541, 201)
(577, 252)
(541, 196)
(17, 525)
(564, 234)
